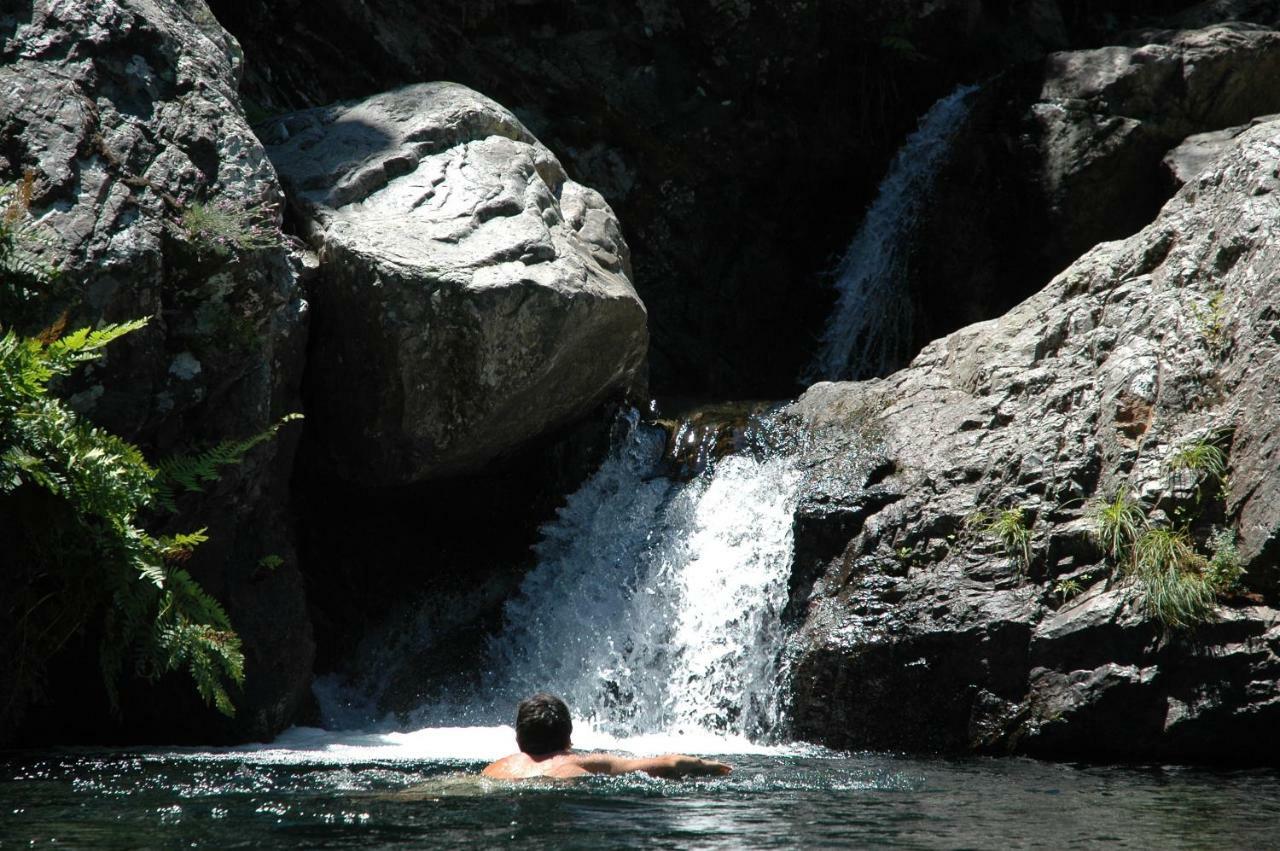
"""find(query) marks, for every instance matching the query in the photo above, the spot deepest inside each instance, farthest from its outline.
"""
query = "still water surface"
(406, 790)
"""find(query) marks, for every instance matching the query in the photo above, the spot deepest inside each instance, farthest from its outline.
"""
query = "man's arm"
(670, 765)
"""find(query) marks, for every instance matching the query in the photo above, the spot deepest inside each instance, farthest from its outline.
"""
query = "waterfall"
(654, 608)
(656, 604)
(870, 328)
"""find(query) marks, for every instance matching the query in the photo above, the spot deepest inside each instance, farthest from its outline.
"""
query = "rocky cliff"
(959, 573)
(151, 183)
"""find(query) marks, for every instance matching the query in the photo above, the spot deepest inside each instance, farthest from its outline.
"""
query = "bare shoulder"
(508, 768)
(520, 766)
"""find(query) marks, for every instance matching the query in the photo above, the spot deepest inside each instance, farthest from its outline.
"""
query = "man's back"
(519, 766)
(563, 764)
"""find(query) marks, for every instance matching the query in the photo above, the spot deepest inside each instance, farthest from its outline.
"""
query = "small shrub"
(1224, 569)
(222, 230)
(1212, 320)
(1067, 589)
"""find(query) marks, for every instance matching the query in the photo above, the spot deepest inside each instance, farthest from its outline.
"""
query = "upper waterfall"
(870, 328)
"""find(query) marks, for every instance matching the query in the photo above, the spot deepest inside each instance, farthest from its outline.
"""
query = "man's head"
(543, 725)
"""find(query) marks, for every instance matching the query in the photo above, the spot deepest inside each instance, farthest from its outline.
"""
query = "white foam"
(306, 745)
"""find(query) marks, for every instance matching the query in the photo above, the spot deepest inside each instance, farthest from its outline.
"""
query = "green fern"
(99, 562)
(190, 473)
(25, 279)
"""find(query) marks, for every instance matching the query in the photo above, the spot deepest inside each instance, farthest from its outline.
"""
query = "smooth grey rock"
(1199, 151)
(470, 296)
(1085, 388)
(126, 111)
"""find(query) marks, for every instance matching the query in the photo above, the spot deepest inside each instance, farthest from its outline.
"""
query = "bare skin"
(566, 764)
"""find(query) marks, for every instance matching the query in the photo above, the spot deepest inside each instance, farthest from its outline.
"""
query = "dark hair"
(543, 724)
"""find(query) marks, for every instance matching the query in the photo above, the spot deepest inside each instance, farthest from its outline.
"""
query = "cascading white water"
(654, 609)
(872, 317)
(656, 604)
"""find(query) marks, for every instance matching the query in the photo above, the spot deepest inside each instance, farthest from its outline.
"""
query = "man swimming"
(543, 734)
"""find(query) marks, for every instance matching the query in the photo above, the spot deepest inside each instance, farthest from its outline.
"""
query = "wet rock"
(126, 115)
(470, 297)
(1087, 388)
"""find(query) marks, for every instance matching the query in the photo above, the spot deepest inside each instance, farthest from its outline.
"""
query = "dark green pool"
(75, 799)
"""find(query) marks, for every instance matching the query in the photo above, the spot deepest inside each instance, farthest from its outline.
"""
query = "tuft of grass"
(1118, 524)
(224, 230)
(1010, 528)
(1202, 459)
(1171, 578)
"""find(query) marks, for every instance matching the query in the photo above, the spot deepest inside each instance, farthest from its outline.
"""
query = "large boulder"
(126, 116)
(470, 296)
(923, 629)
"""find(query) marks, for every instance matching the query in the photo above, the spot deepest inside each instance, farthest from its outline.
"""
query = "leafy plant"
(1010, 528)
(1224, 569)
(1212, 320)
(1067, 589)
(221, 229)
(89, 567)
(190, 473)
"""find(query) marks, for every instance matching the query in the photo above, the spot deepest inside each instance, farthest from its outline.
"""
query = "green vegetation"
(1010, 528)
(1067, 589)
(222, 230)
(1172, 579)
(152, 611)
(24, 278)
(1118, 523)
(74, 499)
(1212, 320)
(1202, 459)
(190, 473)
(1177, 584)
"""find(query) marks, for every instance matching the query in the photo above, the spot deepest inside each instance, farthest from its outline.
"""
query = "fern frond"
(86, 343)
(190, 473)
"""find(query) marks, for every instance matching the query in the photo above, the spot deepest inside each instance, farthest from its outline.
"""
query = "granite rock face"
(923, 632)
(470, 296)
(125, 114)
(1065, 153)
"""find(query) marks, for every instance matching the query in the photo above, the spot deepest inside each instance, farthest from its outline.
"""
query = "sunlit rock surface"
(470, 295)
(922, 632)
